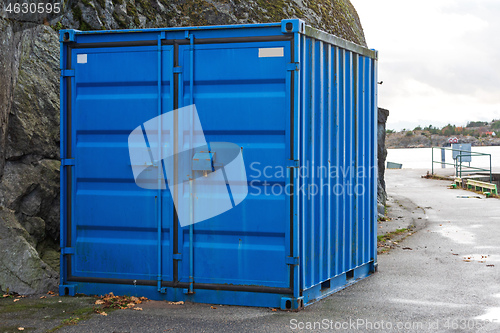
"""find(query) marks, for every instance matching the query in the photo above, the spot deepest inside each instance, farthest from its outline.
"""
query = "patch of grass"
(147, 9)
(87, 3)
(58, 26)
(386, 242)
(71, 321)
(76, 316)
(434, 176)
(77, 15)
(390, 235)
(26, 305)
(383, 218)
(50, 308)
(121, 23)
(132, 11)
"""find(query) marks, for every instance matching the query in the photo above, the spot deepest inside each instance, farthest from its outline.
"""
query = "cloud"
(438, 59)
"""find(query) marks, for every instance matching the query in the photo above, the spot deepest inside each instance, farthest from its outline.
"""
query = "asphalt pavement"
(443, 276)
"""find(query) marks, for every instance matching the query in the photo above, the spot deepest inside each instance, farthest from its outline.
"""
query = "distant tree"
(476, 123)
(432, 129)
(449, 130)
(409, 133)
(389, 131)
(418, 128)
(495, 124)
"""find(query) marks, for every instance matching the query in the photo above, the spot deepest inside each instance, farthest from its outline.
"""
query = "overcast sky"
(439, 60)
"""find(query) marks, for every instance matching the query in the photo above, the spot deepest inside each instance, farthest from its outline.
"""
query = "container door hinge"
(177, 70)
(163, 290)
(67, 250)
(67, 72)
(177, 256)
(292, 163)
(67, 161)
(292, 261)
(293, 66)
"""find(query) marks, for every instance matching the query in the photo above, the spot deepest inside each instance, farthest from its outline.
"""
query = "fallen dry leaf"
(213, 307)
(130, 305)
(490, 265)
(407, 248)
(274, 310)
(103, 313)
(137, 309)
(50, 292)
(99, 302)
(17, 299)
(20, 328)
(176, 303)
(43, 297)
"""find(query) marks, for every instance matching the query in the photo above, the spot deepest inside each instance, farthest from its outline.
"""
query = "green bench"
(476, 184)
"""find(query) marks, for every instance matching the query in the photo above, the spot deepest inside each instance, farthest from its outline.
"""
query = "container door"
(115, 223)
(240, 93)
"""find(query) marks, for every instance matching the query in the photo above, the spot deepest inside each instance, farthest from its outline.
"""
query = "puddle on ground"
(482, 258)
(428, 303)
(487, 247)
(456, 234)
(492, 314)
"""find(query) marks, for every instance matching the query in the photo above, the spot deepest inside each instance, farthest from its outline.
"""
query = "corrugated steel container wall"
(337, 136)
(310, 109)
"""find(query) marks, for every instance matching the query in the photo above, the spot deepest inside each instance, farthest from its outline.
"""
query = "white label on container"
(81, 58)
(271, 52)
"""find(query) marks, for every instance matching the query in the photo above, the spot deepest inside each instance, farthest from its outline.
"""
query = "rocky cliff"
(29, 109)
(381, 155)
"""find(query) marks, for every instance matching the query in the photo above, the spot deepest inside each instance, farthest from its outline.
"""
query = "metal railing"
(458, 164)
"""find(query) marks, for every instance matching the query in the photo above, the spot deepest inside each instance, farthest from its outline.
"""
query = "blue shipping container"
(299, 104)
